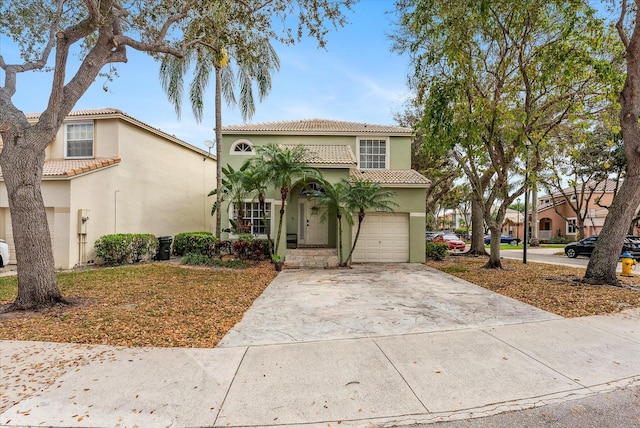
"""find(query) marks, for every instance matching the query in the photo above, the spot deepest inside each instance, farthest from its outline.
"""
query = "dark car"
(584, 247)
(504, 239)
(430, 234)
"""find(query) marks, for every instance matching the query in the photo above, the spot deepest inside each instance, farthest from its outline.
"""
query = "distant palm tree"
(219, 46)
(334, 198)
(363, 195)
(281, 167)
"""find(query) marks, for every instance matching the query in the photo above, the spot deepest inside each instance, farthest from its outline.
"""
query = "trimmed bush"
(249, 248)
(198, 259)
(437, 250)
(194, 242)
(123, 248)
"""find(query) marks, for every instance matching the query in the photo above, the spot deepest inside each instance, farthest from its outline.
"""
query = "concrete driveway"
(372, 300)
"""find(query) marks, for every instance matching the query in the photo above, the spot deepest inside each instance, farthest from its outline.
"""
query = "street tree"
(51, 37)
(440, 169)
(603, 262)
(497, 79)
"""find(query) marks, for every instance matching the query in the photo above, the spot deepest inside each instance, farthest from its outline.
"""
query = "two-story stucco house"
(340, 150)
(560, 221)
(106, 172)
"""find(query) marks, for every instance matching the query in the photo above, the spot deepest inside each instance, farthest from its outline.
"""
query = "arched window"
(242, 147)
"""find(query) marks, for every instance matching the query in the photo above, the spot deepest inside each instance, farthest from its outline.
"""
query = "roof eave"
(316, 133)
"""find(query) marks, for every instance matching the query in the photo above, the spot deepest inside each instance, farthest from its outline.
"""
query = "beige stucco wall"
(159, 187)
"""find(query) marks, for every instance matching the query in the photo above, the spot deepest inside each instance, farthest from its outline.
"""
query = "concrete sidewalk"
(377, 344)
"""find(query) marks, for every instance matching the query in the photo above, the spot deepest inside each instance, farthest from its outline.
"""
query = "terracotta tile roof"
(72, 167)
(110, 113)
(338, 155)
(316, 127)
(88, 112)
(606, 186)
(390, 177)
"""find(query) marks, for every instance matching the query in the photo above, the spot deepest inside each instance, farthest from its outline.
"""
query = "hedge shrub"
(122, 248)
(437, 250)
(194, 242)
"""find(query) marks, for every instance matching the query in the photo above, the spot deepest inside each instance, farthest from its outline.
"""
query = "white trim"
(418, 215)
(567, 224)
(230, 209)
(387, 155)
(232, 150)
(93, 138)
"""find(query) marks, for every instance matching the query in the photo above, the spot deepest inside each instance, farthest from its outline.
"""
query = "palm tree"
(235, 188)
(219, 44)
(334, 198)
(256, 183)
(363, 195)
(281, 167)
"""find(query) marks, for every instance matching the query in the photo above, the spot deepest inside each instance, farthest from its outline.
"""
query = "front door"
(311, 231)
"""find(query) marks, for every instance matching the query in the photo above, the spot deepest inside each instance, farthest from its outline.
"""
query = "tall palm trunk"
(355, 240)
(218, 102)
(22, 164)
(284, 193)
(340, 263)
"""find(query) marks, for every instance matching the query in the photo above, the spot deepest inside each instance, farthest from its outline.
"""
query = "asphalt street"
(616, 409)
(548, 255)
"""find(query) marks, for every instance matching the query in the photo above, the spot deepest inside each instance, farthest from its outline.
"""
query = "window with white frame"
(253, 217)
(572, 226)
(78, 140)
(372, 153)
(242, 147)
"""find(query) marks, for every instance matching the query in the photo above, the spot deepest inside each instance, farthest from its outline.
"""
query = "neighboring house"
(340, 150)
(106, 172)
(552, 225)
(513, 224)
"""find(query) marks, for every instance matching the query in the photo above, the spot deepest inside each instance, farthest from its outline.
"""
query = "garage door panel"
(384, 238)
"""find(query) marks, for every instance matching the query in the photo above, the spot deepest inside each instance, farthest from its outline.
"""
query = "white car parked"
(4, 253)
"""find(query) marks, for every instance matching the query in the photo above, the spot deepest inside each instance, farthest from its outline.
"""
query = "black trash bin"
(164, 247)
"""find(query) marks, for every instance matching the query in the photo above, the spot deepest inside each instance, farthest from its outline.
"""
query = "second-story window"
(79, 140)
(372, 153)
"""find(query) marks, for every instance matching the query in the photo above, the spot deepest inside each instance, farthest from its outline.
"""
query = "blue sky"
(357, 78)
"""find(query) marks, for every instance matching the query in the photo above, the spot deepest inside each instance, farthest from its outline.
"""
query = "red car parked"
(454, 242)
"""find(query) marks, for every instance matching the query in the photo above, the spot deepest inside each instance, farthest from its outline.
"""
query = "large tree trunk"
(604, 260)
(494, 255)
(22, 165)
(477, 230)
(534, 241)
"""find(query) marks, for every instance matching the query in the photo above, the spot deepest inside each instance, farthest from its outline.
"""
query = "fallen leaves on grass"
(158, 304)
(549, 287)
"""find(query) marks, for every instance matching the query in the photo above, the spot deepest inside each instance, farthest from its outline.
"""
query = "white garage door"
(384, 238)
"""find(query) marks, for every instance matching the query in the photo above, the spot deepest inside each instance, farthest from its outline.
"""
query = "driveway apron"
(372, 300)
